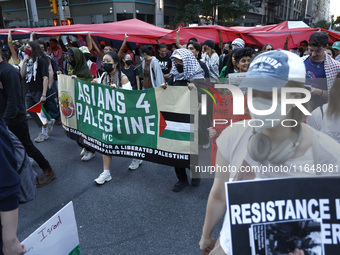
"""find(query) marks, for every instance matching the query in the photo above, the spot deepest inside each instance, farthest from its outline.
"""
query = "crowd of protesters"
(28, 75)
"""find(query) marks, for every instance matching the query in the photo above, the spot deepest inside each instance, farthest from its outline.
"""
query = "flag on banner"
(176, 126)
(39, 114)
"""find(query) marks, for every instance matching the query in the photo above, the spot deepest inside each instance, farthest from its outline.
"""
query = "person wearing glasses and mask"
(114, 78)
(267, 144)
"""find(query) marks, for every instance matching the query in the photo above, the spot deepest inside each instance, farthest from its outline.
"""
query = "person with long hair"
(211, 59)
(35, 71)
(267, 47)
(196, 49)
(114, 78)
(326, 118)
(151, 69)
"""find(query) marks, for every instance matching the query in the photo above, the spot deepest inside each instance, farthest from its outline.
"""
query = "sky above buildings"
(335, 7)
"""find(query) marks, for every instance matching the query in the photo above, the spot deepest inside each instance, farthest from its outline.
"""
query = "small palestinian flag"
(176, 126)
(39, 114)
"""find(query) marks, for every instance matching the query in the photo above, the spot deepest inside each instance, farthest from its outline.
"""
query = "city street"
(135, 213)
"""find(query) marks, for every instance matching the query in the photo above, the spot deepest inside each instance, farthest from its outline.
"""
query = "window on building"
(124, 16)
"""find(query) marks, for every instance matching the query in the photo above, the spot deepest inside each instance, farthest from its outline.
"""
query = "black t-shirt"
(36, 84)
(12, 104)
(131, 73)
(165, 63)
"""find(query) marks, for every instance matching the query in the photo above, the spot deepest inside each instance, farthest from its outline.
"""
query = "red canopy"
(137, 30)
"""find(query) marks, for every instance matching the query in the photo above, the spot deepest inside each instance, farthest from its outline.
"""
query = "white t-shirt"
(320, 121)
(233, 141)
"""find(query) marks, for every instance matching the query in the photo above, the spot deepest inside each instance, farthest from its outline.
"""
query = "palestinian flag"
(176, 126)
(39, 114)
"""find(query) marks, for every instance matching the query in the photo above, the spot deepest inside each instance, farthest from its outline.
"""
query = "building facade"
(157, 12)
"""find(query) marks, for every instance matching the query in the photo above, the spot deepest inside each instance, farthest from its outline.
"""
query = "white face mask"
(268, 120)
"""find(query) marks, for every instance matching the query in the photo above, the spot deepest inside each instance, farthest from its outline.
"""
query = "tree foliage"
(189, 10)
(323, 24)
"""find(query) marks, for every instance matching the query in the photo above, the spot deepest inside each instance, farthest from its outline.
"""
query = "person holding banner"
(252, 148)
(114, 78)
(9, 196)
(78, 68)
(185, 69)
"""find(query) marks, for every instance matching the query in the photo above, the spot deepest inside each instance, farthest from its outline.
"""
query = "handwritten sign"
(57, 236)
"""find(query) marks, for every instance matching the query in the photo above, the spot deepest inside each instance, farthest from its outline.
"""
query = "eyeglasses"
(191, 48)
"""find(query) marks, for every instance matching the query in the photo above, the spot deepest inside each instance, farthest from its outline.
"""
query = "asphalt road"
(135, 213)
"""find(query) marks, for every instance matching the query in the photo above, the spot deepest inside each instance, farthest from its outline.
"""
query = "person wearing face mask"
(226, 51)
(151, 70)
(92, 66)
(77, 68)
(114, 78)
(130, 71)
(268, 144)
(35, 71)
(185, 69)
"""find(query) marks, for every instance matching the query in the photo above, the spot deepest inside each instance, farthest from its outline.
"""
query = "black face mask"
(225, 51)
(72, 62)
(128, 62)
(179, 68)
(87, 57)
(6, 55)
(108, 67)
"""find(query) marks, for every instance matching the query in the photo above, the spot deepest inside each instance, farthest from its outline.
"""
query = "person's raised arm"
(285, 46)
(220, 43)
(178, 43)
(11, 47)
(121, 50)
(216, 206)
(33, 36)
(95, 46)
(89, 41)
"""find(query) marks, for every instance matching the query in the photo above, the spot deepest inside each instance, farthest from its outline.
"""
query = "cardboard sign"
(57, 236)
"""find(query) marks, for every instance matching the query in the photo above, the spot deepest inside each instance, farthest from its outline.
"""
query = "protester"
(230, 67)
(226, 52)
(57, 53)
(265, 145)
(185, 69)
(237, 43)
(326, 118)
(242, 59)
(267, 47)
(330, 51)
(125, 49)
(164, 60)
(9, 196)
(303, 45)
(13, 112)
(35, 71)
(78, 68)
(151, 70)
(115, 79)
(130, 71)
(321, 69)
(196, 49)
(92, 65)
(336, 48)
(211, 59)
(13, 55)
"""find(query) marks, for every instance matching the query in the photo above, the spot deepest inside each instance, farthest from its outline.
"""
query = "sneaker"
(135, 164)
(207, 146)
(83, 152)
(103, 177)
(45, 178)
(41, 137)
(88, 155)
(195, 182)
(179, 186)
(50, 126)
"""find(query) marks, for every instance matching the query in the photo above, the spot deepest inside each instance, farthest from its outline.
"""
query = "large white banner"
(57, 236)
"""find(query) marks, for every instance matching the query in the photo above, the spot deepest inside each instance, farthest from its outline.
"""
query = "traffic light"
(70, 21)
(54, 6)
(56, 22)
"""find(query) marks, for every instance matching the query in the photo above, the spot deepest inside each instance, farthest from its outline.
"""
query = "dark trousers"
(181, 174)
(21, 131)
